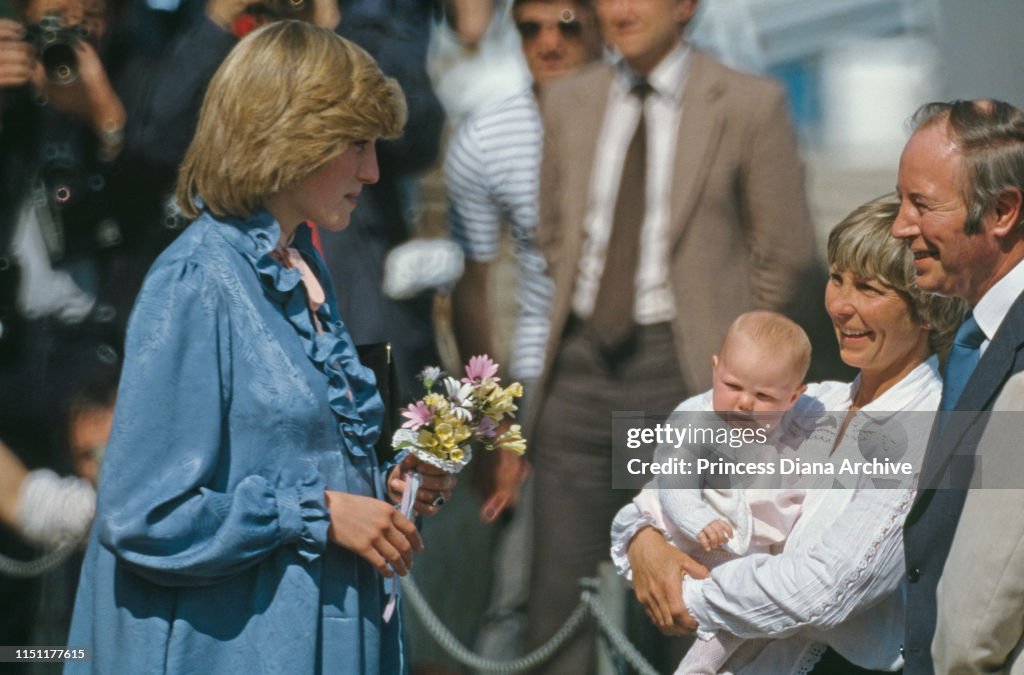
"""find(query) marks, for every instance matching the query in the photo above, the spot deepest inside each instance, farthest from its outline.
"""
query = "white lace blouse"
(835, 582)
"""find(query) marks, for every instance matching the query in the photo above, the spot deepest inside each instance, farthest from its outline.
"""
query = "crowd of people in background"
(652, 195)
(90, 148)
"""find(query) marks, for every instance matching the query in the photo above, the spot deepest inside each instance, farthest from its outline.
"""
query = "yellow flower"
(437, 403)
(432, 444)
(499, 402)
(512, 440)
(461, 432)
(457, 455)
(443, 432)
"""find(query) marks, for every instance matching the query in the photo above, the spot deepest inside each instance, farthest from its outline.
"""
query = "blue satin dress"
(209, 553)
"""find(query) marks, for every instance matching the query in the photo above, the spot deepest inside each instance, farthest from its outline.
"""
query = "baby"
(758, 374)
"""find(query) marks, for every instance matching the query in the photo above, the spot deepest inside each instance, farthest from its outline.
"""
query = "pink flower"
(480, 368)
(417, 415)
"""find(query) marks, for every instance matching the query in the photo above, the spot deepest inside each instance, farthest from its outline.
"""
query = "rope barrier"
(620, 643)
(24, 569)
(589, 604)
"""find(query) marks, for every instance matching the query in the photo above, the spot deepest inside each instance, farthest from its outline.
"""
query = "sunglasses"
(569, 26)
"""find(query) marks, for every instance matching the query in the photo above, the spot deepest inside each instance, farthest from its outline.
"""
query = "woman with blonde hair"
(243, 522)
(829, 602)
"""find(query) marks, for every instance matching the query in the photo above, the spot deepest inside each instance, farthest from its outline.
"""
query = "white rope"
(620, 643)
(589, 603)
(24, 569)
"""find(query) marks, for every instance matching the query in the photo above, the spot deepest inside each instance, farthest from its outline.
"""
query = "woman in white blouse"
(833, 588)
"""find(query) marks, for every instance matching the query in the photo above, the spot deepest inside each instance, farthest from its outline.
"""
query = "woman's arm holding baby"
(844, 566)
(658, 569)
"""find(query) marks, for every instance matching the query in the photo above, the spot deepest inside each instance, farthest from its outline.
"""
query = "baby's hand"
(716, 534)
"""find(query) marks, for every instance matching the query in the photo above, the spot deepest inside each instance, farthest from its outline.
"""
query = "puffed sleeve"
(645, 510)
(159, 511)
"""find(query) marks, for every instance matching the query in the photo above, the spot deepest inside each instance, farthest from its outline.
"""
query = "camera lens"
(55, 42)
(60, 63)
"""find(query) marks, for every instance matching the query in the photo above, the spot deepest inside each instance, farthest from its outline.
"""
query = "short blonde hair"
(863, 243)
(777, 332)
(289, 98)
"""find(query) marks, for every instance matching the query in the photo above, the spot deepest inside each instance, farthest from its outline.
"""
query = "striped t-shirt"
(492, 172)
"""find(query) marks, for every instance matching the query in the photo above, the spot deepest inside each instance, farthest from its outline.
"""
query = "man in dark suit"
(650, 263)
(961, 182)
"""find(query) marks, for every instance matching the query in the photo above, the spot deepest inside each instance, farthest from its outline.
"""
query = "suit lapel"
(994, 368)
(699, 132)
(581, 144)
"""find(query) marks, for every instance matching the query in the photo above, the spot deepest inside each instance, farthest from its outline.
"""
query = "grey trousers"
(574, 503)
(502, 632)
(503, 625)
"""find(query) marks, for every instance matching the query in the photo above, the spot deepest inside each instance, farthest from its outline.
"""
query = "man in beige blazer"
(981, 592)
(721, 227)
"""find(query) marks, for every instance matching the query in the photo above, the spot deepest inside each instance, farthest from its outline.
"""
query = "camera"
(73, 210)
(55, 44)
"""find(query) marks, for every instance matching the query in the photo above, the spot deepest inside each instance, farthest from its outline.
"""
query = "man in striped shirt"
(492, 174)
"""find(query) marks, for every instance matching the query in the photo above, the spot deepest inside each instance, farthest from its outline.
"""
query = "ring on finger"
(438, 501)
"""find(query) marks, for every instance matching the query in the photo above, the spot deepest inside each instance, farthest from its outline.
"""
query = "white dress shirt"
(835, 582)
(663, 110)
(995, 305)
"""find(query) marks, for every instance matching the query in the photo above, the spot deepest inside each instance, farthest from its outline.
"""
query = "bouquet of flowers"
(442, 427)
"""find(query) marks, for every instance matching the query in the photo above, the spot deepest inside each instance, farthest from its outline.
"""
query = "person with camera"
(61, 130)
(54, 51)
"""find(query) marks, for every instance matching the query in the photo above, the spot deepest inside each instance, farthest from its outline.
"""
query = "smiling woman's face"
(874, 325)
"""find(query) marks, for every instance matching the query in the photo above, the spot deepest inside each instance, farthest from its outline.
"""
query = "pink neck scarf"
(292, 259)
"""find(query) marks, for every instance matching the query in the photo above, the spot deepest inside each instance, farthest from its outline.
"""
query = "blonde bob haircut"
(289, 98)
(863, 243)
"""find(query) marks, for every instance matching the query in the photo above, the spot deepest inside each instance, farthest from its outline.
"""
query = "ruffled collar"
(352, 388)
(255, 237)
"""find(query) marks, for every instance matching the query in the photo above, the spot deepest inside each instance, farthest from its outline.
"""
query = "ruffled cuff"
(628, 522)
(303, 515)
(693, 598)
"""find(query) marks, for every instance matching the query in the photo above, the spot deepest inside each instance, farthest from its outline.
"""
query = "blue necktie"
(963, 358)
